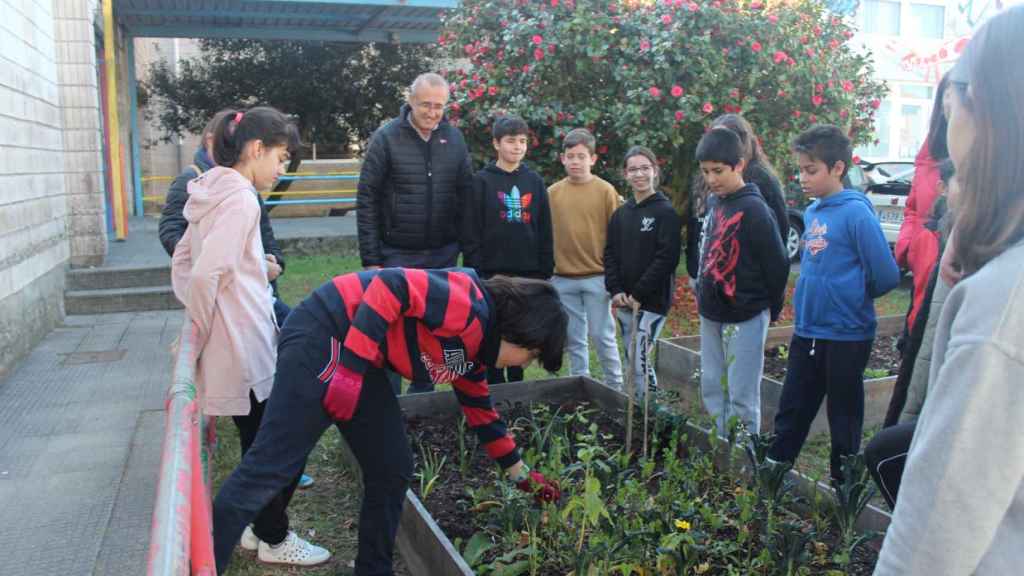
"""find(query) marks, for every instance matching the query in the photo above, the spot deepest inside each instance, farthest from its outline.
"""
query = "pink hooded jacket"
(219, 273)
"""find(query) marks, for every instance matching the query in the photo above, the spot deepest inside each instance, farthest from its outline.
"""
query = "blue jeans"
(589, 309)
(292, 424)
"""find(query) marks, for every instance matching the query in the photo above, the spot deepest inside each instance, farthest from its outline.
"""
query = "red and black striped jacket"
(435, 325)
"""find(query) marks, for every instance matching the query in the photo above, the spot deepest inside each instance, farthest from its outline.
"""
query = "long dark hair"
(753, 153)
(530, 315)
(990, 207)
(236, 128)
(937, 148)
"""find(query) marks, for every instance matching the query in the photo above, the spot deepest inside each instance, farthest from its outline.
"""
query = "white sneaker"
(294, 551)
(249, 540)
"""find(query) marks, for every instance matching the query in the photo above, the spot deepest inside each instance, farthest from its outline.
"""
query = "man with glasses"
(415, 176)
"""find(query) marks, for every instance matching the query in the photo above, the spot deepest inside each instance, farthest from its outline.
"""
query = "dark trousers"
(293, 423)
(502, 375)
(819, 369)
(444, 257)
(886, 455)
(281, 311)
(271, 524)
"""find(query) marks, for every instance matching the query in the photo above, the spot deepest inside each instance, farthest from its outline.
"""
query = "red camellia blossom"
(707, 108)
(782, 94)
(819, 88)
(875, 103)
(554, 3)
(680, 115)
(666, 19)
(526, 68)
(856, 159)
(756, 46)
(492, 91)
(693, 6)
(833, 43)
(773, 19)
(538, 54)
(677, 91)
(603, 149)
(756, 5)
(551, 48)
(537, 39)
(847, 86)
(734, 93)
(780, 56)
(796, 113)
(644, 45)
(469, 49)
(655, 92)
(455, 107)
(843, 114)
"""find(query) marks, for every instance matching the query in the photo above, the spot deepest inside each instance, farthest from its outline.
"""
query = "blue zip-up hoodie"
(846, 264)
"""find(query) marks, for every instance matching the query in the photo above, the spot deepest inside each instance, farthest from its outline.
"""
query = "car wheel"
(793, 239)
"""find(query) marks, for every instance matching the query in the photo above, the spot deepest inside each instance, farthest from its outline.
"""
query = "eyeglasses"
(431, 106)
(640, 170)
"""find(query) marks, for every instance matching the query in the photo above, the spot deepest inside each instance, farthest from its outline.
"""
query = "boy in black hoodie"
(640, 260)
(741, 283)
(507, 220)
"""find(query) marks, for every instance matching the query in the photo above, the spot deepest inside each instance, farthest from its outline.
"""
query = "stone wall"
(34, 249)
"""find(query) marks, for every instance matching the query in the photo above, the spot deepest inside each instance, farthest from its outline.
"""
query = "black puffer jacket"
(411, 191)
(173, 223)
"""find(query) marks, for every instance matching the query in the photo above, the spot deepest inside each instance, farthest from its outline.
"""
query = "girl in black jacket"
(640, 260)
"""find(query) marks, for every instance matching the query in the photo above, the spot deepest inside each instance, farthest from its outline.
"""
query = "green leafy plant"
(852, 496)
(431, 465)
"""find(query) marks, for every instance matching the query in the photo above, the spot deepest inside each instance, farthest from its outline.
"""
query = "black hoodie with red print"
(743, 264)
(436, 325)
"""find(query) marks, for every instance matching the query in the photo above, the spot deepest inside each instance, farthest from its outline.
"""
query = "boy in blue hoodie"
(507, 220)
(846, 264)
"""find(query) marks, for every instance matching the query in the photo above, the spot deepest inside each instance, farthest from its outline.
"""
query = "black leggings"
(886, 455)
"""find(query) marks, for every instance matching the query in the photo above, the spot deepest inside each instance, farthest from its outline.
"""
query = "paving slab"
(81, 426)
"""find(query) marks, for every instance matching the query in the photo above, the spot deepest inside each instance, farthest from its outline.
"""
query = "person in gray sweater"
(961, 506)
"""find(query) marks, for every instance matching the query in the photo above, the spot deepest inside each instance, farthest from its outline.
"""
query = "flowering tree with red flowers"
(654, 73)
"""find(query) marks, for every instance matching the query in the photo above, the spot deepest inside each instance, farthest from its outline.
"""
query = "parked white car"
(888, 189)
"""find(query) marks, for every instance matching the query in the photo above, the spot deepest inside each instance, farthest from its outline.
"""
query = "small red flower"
(469, 49)
(796, 113)
(492, 91)
(817, 30)
(856, 159)
(843, 114)
(538, 54)
(526, 68)
(537, 39)
(693, 7)
(773, 19)
(875, 103)
(666, 19)
(644, 45)
(708, 108)
(813, 118)
(679, 115)
(554, 3)
(756, 5)
(602, 149)
(734, 93)
(782, 94)
(551, 48)
(780, 56)
(455, 107)
(819, 88)
(816, 100)
(833, 43)
(677, 91)
(847, 86)
(655, 92)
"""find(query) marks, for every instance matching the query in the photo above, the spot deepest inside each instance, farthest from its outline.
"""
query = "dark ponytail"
(530, 315)
(233, 129)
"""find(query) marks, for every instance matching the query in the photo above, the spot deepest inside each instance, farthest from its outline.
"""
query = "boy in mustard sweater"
(581, 207)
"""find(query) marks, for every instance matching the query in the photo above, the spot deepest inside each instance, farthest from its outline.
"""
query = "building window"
(881, 17)
(917, 91)
(927, 20)
(913, 131)
(880, 151)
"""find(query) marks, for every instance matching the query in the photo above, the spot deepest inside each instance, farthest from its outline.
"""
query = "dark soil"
(884, 361)
(449, 504)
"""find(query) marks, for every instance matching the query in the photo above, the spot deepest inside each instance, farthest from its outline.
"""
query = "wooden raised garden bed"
(678, 366)
(433, 421)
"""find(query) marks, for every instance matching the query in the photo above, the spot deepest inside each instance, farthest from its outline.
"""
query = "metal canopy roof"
(327, 20)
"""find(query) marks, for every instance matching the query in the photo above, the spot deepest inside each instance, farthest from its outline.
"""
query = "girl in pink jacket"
(219, 273)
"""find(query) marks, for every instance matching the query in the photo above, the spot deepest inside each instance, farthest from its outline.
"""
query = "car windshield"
(889, 171)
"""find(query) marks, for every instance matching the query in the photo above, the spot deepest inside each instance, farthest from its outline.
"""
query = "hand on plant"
(343, 394)
(543, 490)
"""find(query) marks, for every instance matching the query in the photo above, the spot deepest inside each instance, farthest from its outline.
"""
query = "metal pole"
(113, 122)
(133, 111)
(631, 379)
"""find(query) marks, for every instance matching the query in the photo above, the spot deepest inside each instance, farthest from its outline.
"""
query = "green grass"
(306, 273)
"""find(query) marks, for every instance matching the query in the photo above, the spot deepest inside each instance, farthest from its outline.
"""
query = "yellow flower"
(703, 567)
(682, 525)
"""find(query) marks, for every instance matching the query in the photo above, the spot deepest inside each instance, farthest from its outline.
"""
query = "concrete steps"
(119, 289)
